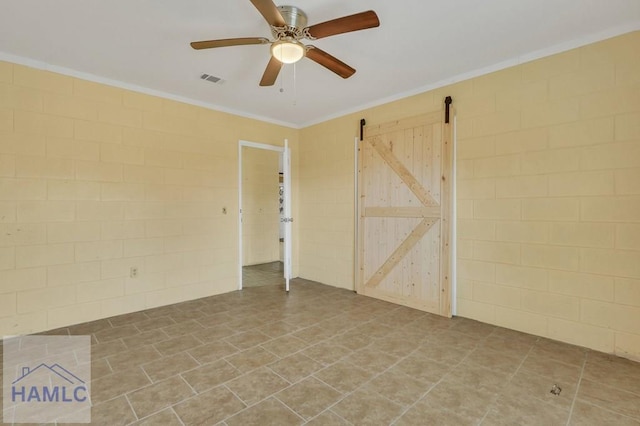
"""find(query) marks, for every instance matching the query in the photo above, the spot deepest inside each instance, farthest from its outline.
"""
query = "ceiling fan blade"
(270, 12)
(208, 44)
(331, 63)
(271, 73)
(346, 24)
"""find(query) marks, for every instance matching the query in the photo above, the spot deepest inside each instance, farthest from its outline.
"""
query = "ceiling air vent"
(212, 78)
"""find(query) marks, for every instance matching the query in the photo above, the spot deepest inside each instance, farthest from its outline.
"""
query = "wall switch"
(133, 272)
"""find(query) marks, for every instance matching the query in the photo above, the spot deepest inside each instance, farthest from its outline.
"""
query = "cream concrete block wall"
(260, 214)
(327, 202)
(548, 194)
(95, 180)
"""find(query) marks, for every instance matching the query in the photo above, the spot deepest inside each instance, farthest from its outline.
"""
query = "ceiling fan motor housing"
(293, 16)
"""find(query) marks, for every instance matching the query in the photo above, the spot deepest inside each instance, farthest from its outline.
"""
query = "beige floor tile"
(399, 387)
(472, 328)
(210, 375)
(451, 337)
(209, 408)
(113, 385)
(177, 344)
(508, 346)
(244, 322)
(375, 329)
(613, 371)
(321, 353)
(613, 399)
(213, 320)
(395, 345)
(270, 412)
(155, 323)
(353, 339)
(162, 311)
(305, 319)
(552, 369)
(251, 359)
(528, 385)
(367, 408)
(100, 368)
(309, 397)
(211, 352)
(372, 359)
(399, 315)
(443, 353)
(344, 376)
(112, 413)
(495, 360)
(169, 366)
(146, 338)
(285, 345)
(114, 333)
(133, 358)
(257, 385)
(247, 339)
(512, 411)
(558, 351)
(422, 368)
(158, 396)
(163, 418)
(425, 413)
(213, 334)
(186, 314)
(295, 367)
(101, 350)
(182, 328)
(478, 377)
(589, 415)
(278, 328)
(326, 352)
(461, 399)
(328, 418)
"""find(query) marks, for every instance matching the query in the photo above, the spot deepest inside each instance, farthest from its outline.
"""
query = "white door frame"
(285, 153)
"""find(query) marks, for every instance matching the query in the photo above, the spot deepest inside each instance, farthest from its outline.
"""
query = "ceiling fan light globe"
(288, 51)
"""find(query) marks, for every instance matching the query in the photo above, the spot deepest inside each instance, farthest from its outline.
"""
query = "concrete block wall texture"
(548, 195)
(95, 180)
(260, 206)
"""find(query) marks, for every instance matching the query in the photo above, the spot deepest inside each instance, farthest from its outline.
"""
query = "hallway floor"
(326, 356)
(271, 273)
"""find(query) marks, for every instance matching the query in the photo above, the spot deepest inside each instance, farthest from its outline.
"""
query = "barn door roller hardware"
(363, 123)
(447, 104)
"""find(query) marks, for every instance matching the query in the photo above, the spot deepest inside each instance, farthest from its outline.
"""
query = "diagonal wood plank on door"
(405, 247)
(407, 177)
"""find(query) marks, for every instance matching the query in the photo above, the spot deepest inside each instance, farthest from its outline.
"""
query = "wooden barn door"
(404, 185)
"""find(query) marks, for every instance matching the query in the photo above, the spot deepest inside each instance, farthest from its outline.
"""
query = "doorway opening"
(264, 219)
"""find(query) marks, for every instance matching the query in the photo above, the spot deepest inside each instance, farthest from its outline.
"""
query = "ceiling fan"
(288, 27)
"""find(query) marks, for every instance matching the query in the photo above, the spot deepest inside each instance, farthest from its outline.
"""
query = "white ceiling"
(144, 45)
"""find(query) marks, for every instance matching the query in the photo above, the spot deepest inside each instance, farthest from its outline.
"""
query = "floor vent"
(212, 78)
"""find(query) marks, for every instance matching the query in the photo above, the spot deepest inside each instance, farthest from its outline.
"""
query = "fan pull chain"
(295, 86)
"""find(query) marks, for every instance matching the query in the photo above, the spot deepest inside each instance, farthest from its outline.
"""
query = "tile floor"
(271, 273)
(325, 356)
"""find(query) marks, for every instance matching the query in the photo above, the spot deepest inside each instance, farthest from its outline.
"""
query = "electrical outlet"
(133, 272)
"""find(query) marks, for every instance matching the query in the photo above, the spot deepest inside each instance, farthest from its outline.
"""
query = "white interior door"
(286, 177)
